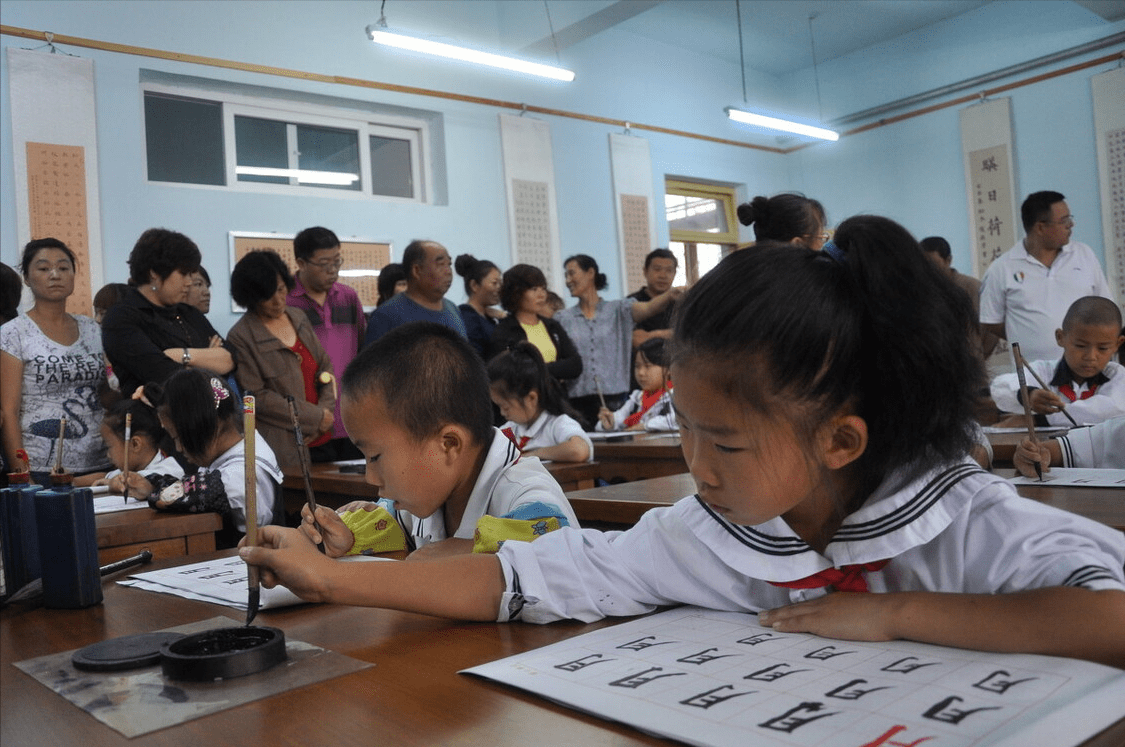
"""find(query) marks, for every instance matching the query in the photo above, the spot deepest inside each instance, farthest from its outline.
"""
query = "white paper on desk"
(219, 581)
(1076, 477)
(606, 435)
(107, 504)
(717, 678)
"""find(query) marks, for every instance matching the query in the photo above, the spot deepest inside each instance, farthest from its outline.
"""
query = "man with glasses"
(336, 314)
(1027, 289)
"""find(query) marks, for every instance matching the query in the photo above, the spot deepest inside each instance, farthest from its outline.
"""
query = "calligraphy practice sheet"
(718, 678)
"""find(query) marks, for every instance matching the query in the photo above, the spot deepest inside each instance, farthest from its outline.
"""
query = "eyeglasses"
(327, 264)
(1066, 222)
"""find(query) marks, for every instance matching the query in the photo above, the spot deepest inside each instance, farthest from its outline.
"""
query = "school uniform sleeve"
(1005, 388)
(632, 404)
(1106, 403)
(564, 428)
(1099, 446)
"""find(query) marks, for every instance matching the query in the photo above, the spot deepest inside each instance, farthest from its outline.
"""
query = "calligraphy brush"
(1061, 409)
(125, 465)
(253, 576)
(598, 386)
(34, 589)
(1026, 404)
(304, 456)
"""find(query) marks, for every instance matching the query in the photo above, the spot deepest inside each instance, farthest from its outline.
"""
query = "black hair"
(520, 370)
(10, 290)
(1092, 311)
(33, 247)
(388, 279)
(1037, 207)
(162, 252)
(203, 404)
(517, 280)
(308, 241)
(145, 420)
(661, 253)
(554, 301)
(254, 278)
(109, 295)
(473, 270)
(936, 245)
(206, 278)
(883, 332)
(587, 263)
(428, 377)
(414, 254)
(782, 217)
(655, 351)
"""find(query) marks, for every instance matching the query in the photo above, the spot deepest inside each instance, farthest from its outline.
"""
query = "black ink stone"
(126, 652)
(223, 653)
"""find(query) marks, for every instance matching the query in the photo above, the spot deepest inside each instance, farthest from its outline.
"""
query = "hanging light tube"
(784, 125)
(414, 44)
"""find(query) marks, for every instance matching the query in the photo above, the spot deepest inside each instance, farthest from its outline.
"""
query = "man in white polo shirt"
(1026, 291)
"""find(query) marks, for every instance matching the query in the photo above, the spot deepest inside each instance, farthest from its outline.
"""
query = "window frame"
(728, 240)
(293, 114)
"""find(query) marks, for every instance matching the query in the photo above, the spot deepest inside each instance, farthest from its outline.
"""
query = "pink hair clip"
(218, 391)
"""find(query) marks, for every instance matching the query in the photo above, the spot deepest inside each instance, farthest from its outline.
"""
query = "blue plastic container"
(68, 548)
(19, 535)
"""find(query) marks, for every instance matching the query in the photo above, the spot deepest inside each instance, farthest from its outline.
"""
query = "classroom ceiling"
(778, 36)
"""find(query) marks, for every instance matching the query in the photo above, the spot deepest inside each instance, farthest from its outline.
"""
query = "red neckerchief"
(519, 442)
(845, 578)
(648, 399)
(1067, 391)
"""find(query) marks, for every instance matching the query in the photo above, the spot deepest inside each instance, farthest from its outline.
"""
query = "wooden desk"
(412, 697)
(166, 535)
(640, 457)
(334, 488)
(624, 503)
(1004, 445)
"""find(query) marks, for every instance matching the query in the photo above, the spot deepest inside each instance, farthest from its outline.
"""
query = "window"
(235, 142)
(702, 226)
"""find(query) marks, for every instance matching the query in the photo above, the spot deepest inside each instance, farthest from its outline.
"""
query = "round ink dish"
(223, 653)
(126, 652)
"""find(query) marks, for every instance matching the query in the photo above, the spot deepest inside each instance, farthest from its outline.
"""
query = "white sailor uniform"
(547, 430)
(1101, 446)
(954, 529)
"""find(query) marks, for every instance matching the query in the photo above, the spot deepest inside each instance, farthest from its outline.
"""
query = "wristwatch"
(186, 360)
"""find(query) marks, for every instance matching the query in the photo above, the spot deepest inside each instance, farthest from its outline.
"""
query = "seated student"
(415, 402)
(145, 456)
(1099, 446)
(650, 407)
(204, 418)
(1086, 381)
(540, 421)
(827, 438)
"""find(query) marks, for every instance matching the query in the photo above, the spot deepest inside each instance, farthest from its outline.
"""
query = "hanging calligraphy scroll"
(986, 143)
(636, 220)
(1109, 126)
(529, 175)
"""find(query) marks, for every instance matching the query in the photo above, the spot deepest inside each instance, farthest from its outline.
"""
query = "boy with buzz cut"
(1087, 382)
(416, 402)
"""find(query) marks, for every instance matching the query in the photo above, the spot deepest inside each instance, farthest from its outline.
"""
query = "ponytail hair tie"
(834, 252)
(218, 391)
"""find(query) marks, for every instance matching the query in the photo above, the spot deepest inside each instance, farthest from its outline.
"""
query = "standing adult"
(336, 315)
(603, 333)
(279, 356)
(392, 281)
(523, 294)
(938, 251)
(199, 292)
(660, 272)
(151, 333)
(788, 217)
(1027, 290)
(429, 273)
(51, 367)
(482, 286)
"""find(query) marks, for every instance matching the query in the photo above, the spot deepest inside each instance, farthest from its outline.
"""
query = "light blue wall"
(910, 171)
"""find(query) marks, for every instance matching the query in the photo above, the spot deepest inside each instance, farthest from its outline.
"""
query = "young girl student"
(540, 421)
(204, 418)
(145, 457)
(650, 407)
(828, 440)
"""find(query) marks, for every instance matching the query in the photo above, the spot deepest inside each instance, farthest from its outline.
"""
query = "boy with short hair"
(416, 402)
(1087, 382)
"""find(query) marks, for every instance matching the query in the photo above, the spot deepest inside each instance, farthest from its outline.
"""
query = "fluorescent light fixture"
(303, 176)
(359, 273)
(381, 36)
(781, 124)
